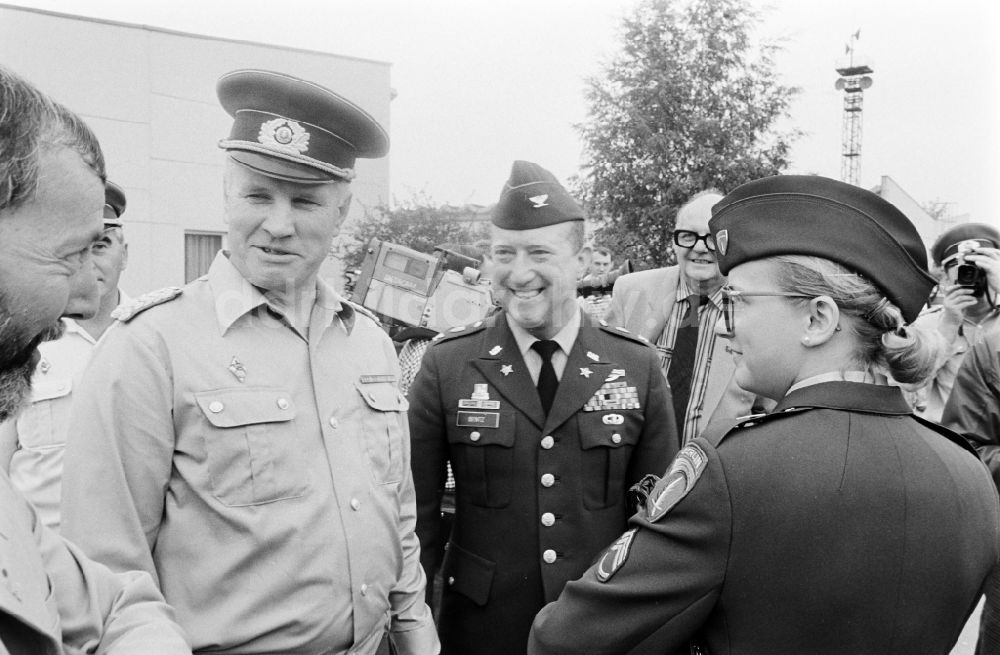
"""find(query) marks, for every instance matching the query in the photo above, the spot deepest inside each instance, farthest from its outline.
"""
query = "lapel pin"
(506, 369)
(495, 350)
(586, 372)
(592, 356)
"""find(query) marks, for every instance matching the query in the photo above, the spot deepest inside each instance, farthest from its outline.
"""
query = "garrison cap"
(292, 129)
(812, 215)
(531, 198)
(946, 245)
(114, 204)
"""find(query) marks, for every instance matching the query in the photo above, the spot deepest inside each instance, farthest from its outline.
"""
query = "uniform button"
(475, 436)
(616, 438)
(364, 590)
(548, 442)
(333, 421)
(548, 480)
(451, 580)
(355, 504)
(282, 403)
(548, 519)
(215, 407)
(549, 556)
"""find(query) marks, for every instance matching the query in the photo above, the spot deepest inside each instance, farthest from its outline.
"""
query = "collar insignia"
(506, 369)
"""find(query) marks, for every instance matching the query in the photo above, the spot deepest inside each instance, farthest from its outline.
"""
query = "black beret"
(812, 215)
(114, 204)
(947, 244)
(531, 198)
(296, 130)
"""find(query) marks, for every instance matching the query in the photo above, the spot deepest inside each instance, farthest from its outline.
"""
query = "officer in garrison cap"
(547, 419)
(838, 523)
(244, 436)
(32, 445)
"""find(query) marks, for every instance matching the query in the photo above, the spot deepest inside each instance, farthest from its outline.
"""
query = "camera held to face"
(968, 274)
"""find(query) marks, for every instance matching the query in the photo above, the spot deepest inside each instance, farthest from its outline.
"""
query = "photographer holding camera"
(968, 260)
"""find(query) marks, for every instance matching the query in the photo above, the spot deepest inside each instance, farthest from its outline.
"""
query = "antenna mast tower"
(854, 79)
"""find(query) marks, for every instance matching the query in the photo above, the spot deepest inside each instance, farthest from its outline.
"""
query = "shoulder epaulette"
(458, 331)
(715, 433)
(364, 311)
(126, 311)
(623, 333)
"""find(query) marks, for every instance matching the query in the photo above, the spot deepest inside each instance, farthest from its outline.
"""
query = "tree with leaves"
(418, 223)
(689, 104)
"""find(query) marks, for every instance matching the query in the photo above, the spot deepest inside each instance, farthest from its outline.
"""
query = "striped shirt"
(695, 417)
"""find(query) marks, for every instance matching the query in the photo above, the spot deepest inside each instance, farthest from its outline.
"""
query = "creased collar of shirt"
(235, 297)
(684, 291)
(566, 337)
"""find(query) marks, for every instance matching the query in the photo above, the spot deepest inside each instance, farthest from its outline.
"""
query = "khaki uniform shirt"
(262, 476)
(43, 427)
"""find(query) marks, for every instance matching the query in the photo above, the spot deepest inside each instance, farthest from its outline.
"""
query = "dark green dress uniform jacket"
(536, 498)
(839, 524)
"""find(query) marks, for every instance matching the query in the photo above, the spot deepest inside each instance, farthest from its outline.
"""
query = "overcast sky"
(480, 83)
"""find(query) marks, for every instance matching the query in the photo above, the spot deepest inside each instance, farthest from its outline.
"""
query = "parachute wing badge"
(684, 472)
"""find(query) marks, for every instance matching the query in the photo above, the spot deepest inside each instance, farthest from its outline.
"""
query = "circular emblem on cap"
(283, 134)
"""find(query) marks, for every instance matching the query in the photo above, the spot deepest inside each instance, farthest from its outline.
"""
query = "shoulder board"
(623, 333)
(458, 332)
(716, 432)
(129, 310)
(364, 311)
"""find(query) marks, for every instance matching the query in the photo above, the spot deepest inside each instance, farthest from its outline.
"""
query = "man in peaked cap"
(32, 445)
(246, 432)
(547, 419)
(969, 307)
(839, 522)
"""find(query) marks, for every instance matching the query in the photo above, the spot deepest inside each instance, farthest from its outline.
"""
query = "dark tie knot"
(545, 348)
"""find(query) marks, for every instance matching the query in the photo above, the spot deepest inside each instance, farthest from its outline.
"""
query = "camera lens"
(966, 275)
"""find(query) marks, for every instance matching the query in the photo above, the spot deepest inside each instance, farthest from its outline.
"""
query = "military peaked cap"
(114, 204)
(296, 130)
(946, 245)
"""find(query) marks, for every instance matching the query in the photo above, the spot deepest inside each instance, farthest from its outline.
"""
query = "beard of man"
(17, 361)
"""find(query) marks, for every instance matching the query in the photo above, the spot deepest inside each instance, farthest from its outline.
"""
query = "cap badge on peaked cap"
(284, 134)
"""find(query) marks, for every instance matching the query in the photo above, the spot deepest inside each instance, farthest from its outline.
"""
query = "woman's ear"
(823, 321)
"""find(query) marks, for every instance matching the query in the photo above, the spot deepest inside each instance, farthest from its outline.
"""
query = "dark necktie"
(682, 362)
(547, 381)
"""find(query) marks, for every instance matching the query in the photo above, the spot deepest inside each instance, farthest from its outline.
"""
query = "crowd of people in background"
(788, 441)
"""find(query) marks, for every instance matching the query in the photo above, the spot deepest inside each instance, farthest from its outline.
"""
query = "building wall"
(149, 95)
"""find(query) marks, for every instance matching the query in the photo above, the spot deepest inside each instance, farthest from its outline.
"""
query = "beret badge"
(284, 135)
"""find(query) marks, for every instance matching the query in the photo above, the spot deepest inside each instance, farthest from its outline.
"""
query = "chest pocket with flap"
(44, 423)
(252, 445)
(483, 458)
(383, 429)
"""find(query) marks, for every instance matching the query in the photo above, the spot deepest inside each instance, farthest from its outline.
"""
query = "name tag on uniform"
(469, 403)
(373, 379)
(478, 420)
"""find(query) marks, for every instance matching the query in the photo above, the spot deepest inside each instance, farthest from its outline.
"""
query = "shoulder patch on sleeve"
(614, 557)
(623, 333)
(364, 311)
(684, 472)
(126, 311)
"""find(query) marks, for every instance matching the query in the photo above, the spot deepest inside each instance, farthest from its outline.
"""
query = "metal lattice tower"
(854, 79)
